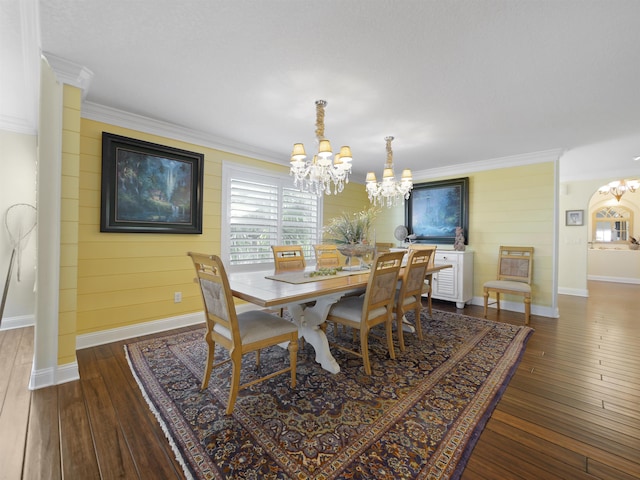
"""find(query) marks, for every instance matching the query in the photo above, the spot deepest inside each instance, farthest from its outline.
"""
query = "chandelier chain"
(320, 104)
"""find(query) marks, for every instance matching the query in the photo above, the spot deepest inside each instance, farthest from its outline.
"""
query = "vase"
(634, 246)
(354, 253)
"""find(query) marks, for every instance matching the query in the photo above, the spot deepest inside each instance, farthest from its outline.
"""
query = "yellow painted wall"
(513, 206)
(125, 279)
(71, 104)
(352, 199)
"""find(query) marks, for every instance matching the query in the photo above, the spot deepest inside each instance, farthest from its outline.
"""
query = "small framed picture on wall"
(575, 218)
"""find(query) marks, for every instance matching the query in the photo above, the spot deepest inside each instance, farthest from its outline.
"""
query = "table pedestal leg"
(309, 320)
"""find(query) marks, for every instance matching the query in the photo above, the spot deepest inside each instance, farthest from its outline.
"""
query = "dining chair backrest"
(383, 247)
(326, 255)
(381, 287)
(415, 271)
(411, 290)
(421, 246)
(220, 312)
(515, 264)
(288, 258)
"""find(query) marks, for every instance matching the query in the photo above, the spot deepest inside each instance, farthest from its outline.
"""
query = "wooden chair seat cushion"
(257, 325)
(508, 285)
(409, 300)
(350, 308)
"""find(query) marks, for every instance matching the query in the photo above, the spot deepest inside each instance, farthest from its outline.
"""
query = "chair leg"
(236, 362)
(399, 321)
(389, 322)
(211, 345)
(418, 322)
(364, 349)
(486, 302)
(293, 359)
(527, 309)
(498, 301)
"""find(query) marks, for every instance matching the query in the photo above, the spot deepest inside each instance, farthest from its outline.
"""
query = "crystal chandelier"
(318, 175)
(619, 188)
(390, 191)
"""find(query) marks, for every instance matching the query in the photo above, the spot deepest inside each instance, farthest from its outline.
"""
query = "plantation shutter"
(265, 210)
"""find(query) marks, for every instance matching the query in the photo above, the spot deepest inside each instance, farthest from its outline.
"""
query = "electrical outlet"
(177, 297)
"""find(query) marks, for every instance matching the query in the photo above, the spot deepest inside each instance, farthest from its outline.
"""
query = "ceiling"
(454, 81)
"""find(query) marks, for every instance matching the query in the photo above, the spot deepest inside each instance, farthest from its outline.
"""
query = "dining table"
(308, 296)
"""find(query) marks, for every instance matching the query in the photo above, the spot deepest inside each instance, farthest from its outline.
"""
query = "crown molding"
(70, 73)
(114, 116)
(491, 164)
(17, 125)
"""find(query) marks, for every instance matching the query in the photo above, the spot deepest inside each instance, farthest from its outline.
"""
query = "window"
(262, 208)
(612, 224)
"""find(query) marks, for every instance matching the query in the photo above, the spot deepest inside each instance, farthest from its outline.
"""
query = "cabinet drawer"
(443, 258)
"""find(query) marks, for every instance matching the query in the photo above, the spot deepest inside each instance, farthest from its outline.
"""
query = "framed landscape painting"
(435, 209)
(149, 188)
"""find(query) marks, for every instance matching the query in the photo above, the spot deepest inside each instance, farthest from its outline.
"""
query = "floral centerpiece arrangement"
(634, 243)
(350, 232)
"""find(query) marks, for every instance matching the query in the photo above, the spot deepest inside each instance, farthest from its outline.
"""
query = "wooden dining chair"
(327, 256)
(373, 308)
(288, 257)
(239, 333)
(383, 247)
(515, 270)
(409, 297)
(428, 282)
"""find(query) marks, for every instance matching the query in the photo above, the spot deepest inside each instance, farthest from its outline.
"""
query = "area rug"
(418, 416)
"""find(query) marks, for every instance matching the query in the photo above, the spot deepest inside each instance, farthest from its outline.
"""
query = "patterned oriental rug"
(418, 416)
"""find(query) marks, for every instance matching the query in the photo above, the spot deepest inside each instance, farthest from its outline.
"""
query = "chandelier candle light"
(318, 175)
(389, 191)
(619, 187)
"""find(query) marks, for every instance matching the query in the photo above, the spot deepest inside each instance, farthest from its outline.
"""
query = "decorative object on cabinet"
(149, 188)
(435, 209)
(459, 242)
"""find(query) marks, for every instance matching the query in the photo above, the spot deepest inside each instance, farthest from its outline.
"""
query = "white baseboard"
(18, 322)
(130, 331)
(600, 278)
(54, 376)
(576, 292)
(519, 307)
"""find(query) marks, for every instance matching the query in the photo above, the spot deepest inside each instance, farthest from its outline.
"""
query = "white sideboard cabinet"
(456, 283)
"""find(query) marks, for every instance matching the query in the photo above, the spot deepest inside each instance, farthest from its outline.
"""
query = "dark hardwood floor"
(571, 411)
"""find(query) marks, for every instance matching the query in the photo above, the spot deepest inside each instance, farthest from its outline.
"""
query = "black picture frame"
(574, 218)
(149, 188)
(435, 209)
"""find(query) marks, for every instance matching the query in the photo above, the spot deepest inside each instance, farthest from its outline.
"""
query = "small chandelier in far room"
(618, 188)
(390, 191)
(319, 174)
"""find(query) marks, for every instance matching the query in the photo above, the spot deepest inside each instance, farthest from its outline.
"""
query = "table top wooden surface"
(254, 287)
